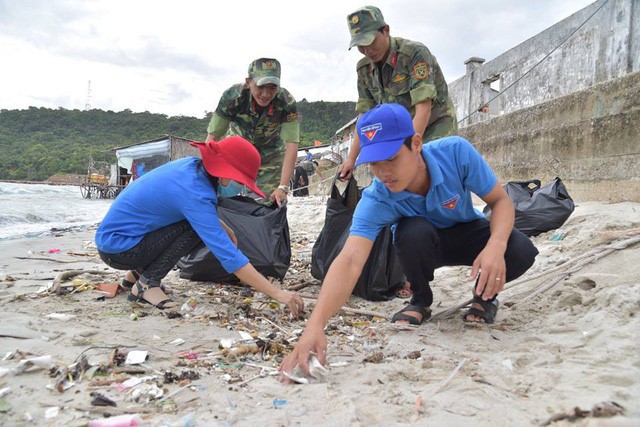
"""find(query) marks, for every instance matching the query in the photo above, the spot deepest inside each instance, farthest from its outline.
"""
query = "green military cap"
(265, 71)
(363, 25)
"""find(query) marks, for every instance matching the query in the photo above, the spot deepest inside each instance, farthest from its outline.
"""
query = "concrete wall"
(605, 48)
(590, 139)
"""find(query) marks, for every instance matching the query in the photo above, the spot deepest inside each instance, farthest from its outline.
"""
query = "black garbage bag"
(382, 274)
(263, 237)
(538, 209)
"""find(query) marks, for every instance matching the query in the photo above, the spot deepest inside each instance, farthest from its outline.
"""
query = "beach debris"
(413, 355)
(57, 286)
(377, 357)
(4, 406)
(183, 378)
(33, 364)
(99, 399)
(136, 357)
(177, 341)
(60, 316)
(599, 410)
(126, 420)
(108, 289)
(278, 403)
(51, 413)
(318, 373)
(54, 251)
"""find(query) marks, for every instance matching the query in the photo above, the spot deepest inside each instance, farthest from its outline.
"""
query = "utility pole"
(87, 104)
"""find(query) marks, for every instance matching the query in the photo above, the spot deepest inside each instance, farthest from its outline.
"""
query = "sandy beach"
(566, 337)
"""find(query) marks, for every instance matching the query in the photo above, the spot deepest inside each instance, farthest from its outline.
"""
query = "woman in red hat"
(166, 213)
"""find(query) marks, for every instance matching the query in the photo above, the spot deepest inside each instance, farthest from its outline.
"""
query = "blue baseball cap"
(382, 131)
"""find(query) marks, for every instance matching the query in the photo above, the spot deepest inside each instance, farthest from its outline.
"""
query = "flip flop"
(488, 312)
(425, 312)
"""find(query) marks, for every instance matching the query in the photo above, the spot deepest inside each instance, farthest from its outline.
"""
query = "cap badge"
(370, 130)
(355, 19)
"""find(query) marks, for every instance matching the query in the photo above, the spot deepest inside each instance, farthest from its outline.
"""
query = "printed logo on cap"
(370, 131)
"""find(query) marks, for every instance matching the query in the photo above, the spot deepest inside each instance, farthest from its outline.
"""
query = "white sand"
(573, 345)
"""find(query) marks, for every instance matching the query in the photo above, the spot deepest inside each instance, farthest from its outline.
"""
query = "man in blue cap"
(425, 190)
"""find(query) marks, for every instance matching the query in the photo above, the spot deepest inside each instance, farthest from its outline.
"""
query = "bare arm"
(422, 116)
(289, 162)
(336, 288)
(257, 281)
(490, 262)
(346, 168)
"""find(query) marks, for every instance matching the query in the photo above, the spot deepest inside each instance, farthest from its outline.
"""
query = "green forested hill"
(37, 143)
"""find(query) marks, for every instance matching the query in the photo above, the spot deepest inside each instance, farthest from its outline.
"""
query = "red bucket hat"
(232, 158)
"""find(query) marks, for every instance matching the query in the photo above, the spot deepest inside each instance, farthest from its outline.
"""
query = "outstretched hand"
(293, 301)
(310, 342)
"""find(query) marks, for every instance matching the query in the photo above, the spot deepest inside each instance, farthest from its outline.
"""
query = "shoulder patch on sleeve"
(421, 70)
(291, 117)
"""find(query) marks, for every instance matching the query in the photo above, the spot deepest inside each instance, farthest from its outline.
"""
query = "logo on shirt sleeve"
(451, 203)
(420, 70)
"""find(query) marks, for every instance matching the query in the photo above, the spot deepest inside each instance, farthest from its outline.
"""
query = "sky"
(177, 57)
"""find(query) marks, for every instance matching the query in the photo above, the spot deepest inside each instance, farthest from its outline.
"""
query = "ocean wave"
(30, 210)
(12, 189)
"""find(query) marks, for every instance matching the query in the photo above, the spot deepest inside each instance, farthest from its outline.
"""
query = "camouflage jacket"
(410, 75)
(239, 116)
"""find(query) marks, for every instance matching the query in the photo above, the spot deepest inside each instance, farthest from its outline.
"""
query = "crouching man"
(425, 190)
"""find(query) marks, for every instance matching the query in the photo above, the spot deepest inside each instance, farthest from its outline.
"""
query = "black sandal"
(488, 312)
(424, 311)
(140, 297)
(127, 284)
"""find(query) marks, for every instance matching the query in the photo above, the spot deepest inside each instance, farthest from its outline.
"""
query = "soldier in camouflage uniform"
(396, 70)
(264, 113)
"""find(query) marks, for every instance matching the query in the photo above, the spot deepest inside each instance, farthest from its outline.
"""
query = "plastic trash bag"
(263, 237)
(382, 274)
(538, 209)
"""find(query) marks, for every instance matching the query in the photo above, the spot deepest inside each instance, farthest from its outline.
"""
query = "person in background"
(308, 156)
(425, 190)
(400, 71)
(264, 113)
(165, 214)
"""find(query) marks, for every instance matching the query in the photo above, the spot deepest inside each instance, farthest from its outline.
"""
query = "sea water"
(33, 210)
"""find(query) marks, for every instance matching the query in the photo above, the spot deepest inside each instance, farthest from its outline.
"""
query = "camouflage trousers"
(446, 126)
(269, 176)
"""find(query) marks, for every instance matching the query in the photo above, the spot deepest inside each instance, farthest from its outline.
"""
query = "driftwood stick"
(38, 258)
(299, 286)
(349, 310)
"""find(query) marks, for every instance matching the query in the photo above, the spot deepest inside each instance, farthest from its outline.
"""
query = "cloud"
(178, 57)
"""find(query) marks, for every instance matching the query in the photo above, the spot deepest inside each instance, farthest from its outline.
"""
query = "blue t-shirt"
(456, 170)
(173, 192)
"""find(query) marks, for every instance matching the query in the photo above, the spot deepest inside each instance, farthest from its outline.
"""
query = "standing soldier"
(264, 113)
(396, 70)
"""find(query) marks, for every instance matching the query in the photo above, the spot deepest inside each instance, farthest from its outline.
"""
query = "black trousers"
(157, 253)
(421, 248)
